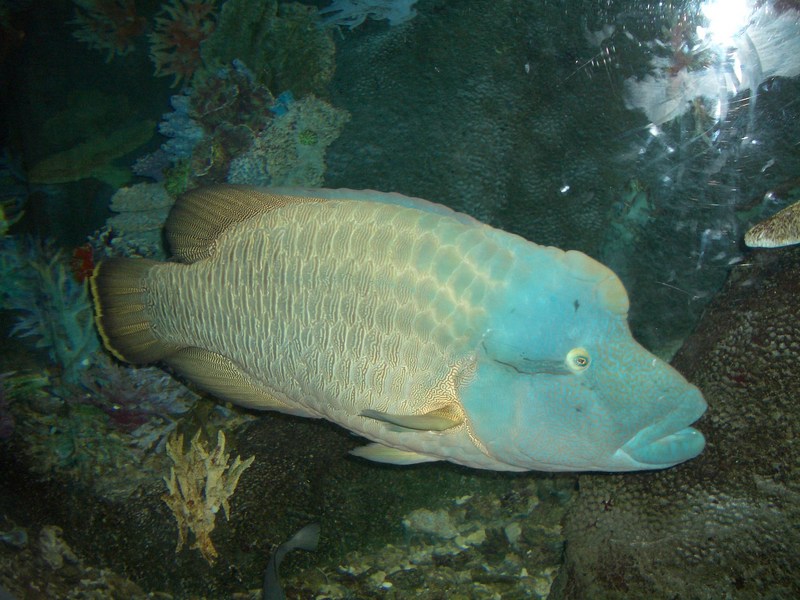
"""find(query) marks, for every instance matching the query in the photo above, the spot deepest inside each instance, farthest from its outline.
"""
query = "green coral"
(308, 137)
(284, 45)
(178, 178)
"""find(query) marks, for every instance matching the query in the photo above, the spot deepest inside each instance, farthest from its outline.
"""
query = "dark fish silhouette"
(305, 539)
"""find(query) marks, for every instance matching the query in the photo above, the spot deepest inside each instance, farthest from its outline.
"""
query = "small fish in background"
(305, 539)
(422, 329)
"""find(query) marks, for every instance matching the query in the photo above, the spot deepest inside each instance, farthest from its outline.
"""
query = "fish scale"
(295, 302)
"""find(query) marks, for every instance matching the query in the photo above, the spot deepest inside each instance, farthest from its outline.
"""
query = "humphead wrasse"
(433, 335)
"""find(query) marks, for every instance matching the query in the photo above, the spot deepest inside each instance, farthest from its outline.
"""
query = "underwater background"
(649, 135)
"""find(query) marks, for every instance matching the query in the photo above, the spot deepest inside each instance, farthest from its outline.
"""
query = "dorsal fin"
(199, 217)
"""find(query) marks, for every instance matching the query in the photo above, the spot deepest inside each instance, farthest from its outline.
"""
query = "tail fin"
(120, 295)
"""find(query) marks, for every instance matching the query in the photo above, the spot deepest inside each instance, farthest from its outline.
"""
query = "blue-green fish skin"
(433, 335)
(627, 410)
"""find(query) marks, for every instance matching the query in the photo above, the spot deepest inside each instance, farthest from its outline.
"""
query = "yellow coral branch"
(199, 483)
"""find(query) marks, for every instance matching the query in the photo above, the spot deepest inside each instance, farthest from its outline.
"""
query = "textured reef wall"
(472, 104)
(723, 525)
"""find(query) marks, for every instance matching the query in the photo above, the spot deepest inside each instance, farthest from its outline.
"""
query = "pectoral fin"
(435, 420)
(392, 456)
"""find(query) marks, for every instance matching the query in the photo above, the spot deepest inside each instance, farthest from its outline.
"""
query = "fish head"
(561, 384)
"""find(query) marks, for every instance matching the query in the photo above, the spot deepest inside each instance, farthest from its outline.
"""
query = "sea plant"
(53, 309)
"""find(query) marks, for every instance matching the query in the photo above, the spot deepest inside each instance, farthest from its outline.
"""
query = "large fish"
(434, 335)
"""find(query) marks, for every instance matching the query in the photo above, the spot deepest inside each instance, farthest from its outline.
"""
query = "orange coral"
(108, 25)
(175, 43)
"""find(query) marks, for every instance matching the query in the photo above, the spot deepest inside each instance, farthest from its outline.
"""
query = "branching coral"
(199, 483)
(53, 308)
(175, 43)
(109, 26)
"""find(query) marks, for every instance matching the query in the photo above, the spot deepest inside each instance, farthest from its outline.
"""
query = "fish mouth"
(670, 441)
(667, 450)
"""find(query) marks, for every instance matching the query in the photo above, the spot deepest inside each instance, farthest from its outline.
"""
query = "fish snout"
(670, 440)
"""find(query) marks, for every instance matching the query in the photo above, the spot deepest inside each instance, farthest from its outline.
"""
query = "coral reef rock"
(724, 525)
(141, 211)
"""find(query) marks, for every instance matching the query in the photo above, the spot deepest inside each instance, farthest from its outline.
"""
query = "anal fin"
(392, 456)
(223, 378)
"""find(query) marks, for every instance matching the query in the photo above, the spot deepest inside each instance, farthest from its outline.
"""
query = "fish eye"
(578, 360)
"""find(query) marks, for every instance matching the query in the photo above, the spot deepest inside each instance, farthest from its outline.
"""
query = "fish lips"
(669, 441)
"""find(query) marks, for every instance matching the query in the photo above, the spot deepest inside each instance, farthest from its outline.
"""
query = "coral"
(109, 26)
(182, 129)
(144, 402)
(178, 179)
(94, 157)
(352, 13)
(81, 263)
(231, 96)
(136, 227)
(141, 198)
(291, 151)
(212, 158)
(212, 123)
(53, 308)
(141, 211)
(199, 483)
(284, 45)
(107, 431)
(172, 161)
(213, 129)
(152, 166)
(180, 29)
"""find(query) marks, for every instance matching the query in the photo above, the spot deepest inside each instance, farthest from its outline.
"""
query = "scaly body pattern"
(435, 336)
